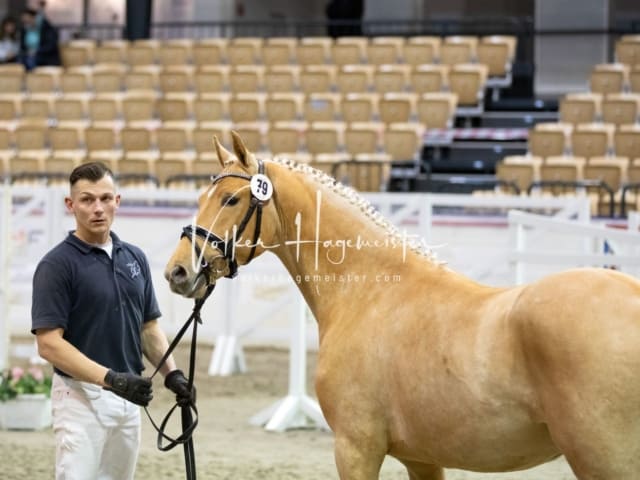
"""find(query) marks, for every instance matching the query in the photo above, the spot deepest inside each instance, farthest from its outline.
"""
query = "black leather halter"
(226, 245)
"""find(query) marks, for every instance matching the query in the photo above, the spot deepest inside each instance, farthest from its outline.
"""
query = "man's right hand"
(131, 387)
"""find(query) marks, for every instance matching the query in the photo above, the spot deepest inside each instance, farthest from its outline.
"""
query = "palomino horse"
(416, 361)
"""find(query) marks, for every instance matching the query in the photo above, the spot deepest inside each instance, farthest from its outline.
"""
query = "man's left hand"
(178, 384)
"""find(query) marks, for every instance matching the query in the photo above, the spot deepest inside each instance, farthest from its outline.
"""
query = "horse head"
(235, 212)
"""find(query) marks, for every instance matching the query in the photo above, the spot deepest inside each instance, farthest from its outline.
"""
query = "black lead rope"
(187, 409)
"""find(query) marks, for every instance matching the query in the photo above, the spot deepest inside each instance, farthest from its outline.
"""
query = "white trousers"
(97, 432)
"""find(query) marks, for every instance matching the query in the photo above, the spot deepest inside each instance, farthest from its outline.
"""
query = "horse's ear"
(239, 149)
(223, 153)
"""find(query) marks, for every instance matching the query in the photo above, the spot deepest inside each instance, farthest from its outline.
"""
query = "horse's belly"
(482, 450)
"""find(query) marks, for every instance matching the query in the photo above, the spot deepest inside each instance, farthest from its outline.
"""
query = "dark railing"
(565, 185)
(635, 187)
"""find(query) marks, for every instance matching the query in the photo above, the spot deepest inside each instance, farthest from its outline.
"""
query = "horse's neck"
(333, 249)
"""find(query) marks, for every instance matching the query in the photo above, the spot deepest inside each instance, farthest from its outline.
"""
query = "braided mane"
(357, 200)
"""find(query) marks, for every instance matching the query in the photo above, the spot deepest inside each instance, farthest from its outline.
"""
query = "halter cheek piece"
(226, 246)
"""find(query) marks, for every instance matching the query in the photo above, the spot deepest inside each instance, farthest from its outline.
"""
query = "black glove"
(131, 387)
(178, 384)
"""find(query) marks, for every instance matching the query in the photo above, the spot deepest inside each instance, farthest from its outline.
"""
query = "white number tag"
(261, 187)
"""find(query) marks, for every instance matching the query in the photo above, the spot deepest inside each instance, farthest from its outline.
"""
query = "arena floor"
(227, 446)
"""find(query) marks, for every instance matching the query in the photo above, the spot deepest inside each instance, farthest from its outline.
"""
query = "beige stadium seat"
(203, 140)
(71, 109)
(10, 109)
(247, 79)
(112, 52)
(360, 42)
(458, 49)
(211, 79)
(592, 140)
(398, 107)
(580, 108)
(560, 174)
(32, 138)
(612, 172)
(385, 50)
(39, 108)
(77, 54)
(204, 169)
(43, 80)
(210, 52)
(282, 79)
(420, 50)
(247, 107)
(139, 143)
(174, 109)
(429, 78)
(76, 81)
(391, 78)
(211, 108)
(354, 78)
(468, 81)
(347, 54)
(325, 142)
(176, 79)
(172, 172)
(102, 144)
(621, 108)
(609, 78)
(283, 140)
(245, 51)
(317, 79)
(138, 109)
(518, 170)
(284, 106)
(402, 142)
(322, 107)
(108, 81)
(11, 80)
(135, 172)
(360, 107)
(313, 50)
(141, 80)
(437, 109)
(105, 109)
(546, 143)
(279, 51)
(627, 51)
(175, 143)
(176, 51)
(626, 141)
(142, 54)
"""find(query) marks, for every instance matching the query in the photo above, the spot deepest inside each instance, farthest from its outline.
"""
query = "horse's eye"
(229, 201)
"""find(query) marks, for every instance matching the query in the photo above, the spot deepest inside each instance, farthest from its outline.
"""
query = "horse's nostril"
(178, 274)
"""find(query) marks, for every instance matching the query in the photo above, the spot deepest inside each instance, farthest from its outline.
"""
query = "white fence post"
(5, 239)
(297, 409)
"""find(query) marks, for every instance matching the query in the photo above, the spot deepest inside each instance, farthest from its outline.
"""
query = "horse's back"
(580, 336)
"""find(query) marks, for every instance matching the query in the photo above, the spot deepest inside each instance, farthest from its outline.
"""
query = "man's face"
(94, 206)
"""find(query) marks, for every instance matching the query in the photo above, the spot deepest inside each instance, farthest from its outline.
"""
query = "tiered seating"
(148, 106)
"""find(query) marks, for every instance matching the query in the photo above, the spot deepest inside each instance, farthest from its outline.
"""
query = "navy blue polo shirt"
(100, 302)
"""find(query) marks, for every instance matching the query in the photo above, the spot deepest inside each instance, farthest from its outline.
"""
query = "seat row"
(627, 50)
(172, 151)
(468, 80)
(584, 140)
(496, 50)
(433, 110)
(615, 108)
(607, 78)
(612, 182)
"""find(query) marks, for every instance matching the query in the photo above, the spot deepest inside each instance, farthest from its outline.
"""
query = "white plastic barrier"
(574, 244)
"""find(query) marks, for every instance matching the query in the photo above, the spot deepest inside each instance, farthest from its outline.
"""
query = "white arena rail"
(572, 244)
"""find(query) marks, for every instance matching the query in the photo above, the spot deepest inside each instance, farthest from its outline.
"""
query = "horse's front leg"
(420, 471)
(359, 458)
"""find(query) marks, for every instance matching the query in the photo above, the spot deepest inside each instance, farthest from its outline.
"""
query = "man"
(39, 40)
(94, 314)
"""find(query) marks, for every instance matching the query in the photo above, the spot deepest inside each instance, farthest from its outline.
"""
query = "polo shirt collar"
(85, 247)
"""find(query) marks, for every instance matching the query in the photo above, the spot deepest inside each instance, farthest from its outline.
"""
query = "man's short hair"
(92, 171)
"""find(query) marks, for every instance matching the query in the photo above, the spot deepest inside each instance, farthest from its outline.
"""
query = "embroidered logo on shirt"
(134, 269)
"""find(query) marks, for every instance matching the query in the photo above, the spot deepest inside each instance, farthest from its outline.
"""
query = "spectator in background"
(345, 17)
(39, 40)
(9, 45)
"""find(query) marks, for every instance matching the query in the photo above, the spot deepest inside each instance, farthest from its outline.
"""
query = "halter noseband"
(227, 246)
